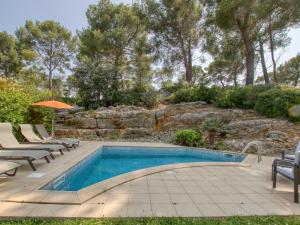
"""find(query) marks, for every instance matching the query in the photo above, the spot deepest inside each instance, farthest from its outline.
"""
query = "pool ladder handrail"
(258, 146)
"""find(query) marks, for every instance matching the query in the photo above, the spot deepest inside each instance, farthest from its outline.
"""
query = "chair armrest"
(283, 163)
(283, 154)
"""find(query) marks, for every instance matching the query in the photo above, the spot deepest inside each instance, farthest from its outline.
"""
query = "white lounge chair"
(8, 168)
(8, 141)
(45, 136)
(28, 155)
(31, 137)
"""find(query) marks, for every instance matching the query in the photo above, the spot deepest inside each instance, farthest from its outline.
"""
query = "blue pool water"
(108, 162)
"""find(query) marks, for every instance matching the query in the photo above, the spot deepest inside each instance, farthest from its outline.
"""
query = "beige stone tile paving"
(210, 210)
(187, 192)
(163, 210)
(139, 210)
(90, 210)
(187, 210)
(114, 210)
(232, 209)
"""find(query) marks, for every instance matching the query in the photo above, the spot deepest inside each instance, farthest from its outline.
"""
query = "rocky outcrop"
(142, 124)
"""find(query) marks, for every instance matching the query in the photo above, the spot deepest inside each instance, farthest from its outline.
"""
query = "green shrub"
(213, 124)
(194, 94)
(223, 98)
(239, 97)
(188, 138)
(139, 97)
(170, 87)
(277, 101)
(246, 97)
(15, 104)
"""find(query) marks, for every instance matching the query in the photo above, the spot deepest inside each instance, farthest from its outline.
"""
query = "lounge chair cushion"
(297, 154)
(7, 139)
(287, 171)
(52, 147)
(290, 157)
(28, 133)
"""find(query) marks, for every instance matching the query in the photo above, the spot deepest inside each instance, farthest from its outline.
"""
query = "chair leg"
(47, 160)
(296, 183)
(296, 194)
(31, 165)
(274, 173)
(52, 156)
(11, 174)
(61, 152)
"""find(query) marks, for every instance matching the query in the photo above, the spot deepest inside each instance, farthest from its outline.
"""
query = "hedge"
(278, 102)
(270, 101)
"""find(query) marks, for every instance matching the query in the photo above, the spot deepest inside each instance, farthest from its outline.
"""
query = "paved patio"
(186, 192)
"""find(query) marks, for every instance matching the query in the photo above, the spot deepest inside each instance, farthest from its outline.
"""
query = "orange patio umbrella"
(55, 105)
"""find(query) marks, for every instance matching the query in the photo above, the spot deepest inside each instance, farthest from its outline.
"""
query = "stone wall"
(139, 123)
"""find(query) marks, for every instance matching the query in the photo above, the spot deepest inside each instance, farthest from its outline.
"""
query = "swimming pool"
(108, 162)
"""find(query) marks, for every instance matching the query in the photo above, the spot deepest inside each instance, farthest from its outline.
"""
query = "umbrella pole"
(52, 131)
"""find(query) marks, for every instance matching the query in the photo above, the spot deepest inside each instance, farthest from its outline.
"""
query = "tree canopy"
(51, 46)
(9, 60)
(128, 53)
(176, 31)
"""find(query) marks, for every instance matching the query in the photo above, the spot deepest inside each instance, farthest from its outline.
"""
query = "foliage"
(175, 27)
(277, 16)
(142, 62)
(139, 97)
(239, 97)
(169, 87)
(289, 72)
(9, 61)
(15, 104)
(113, 60)
(226, 49)
(241, 18)
(277, 102)
(271, 101)
(193, 94)
(50, 44)
(213, 124)
(255, 220)
(189, 138)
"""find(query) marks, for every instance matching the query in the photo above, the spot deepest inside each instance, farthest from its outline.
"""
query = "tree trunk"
(235, 79)
(263, 62)
(50, 82)
(190, 63)
(249, 53)
(272, 51)
(115, 79)
(186, 61)
(297, 79)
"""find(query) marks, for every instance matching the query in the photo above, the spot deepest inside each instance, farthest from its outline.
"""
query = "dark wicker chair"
(289, 169)
(287, 156)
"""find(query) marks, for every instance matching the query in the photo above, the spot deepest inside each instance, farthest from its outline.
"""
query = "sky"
(71, 14)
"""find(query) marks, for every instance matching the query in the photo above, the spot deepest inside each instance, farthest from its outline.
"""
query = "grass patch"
(261, 220)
